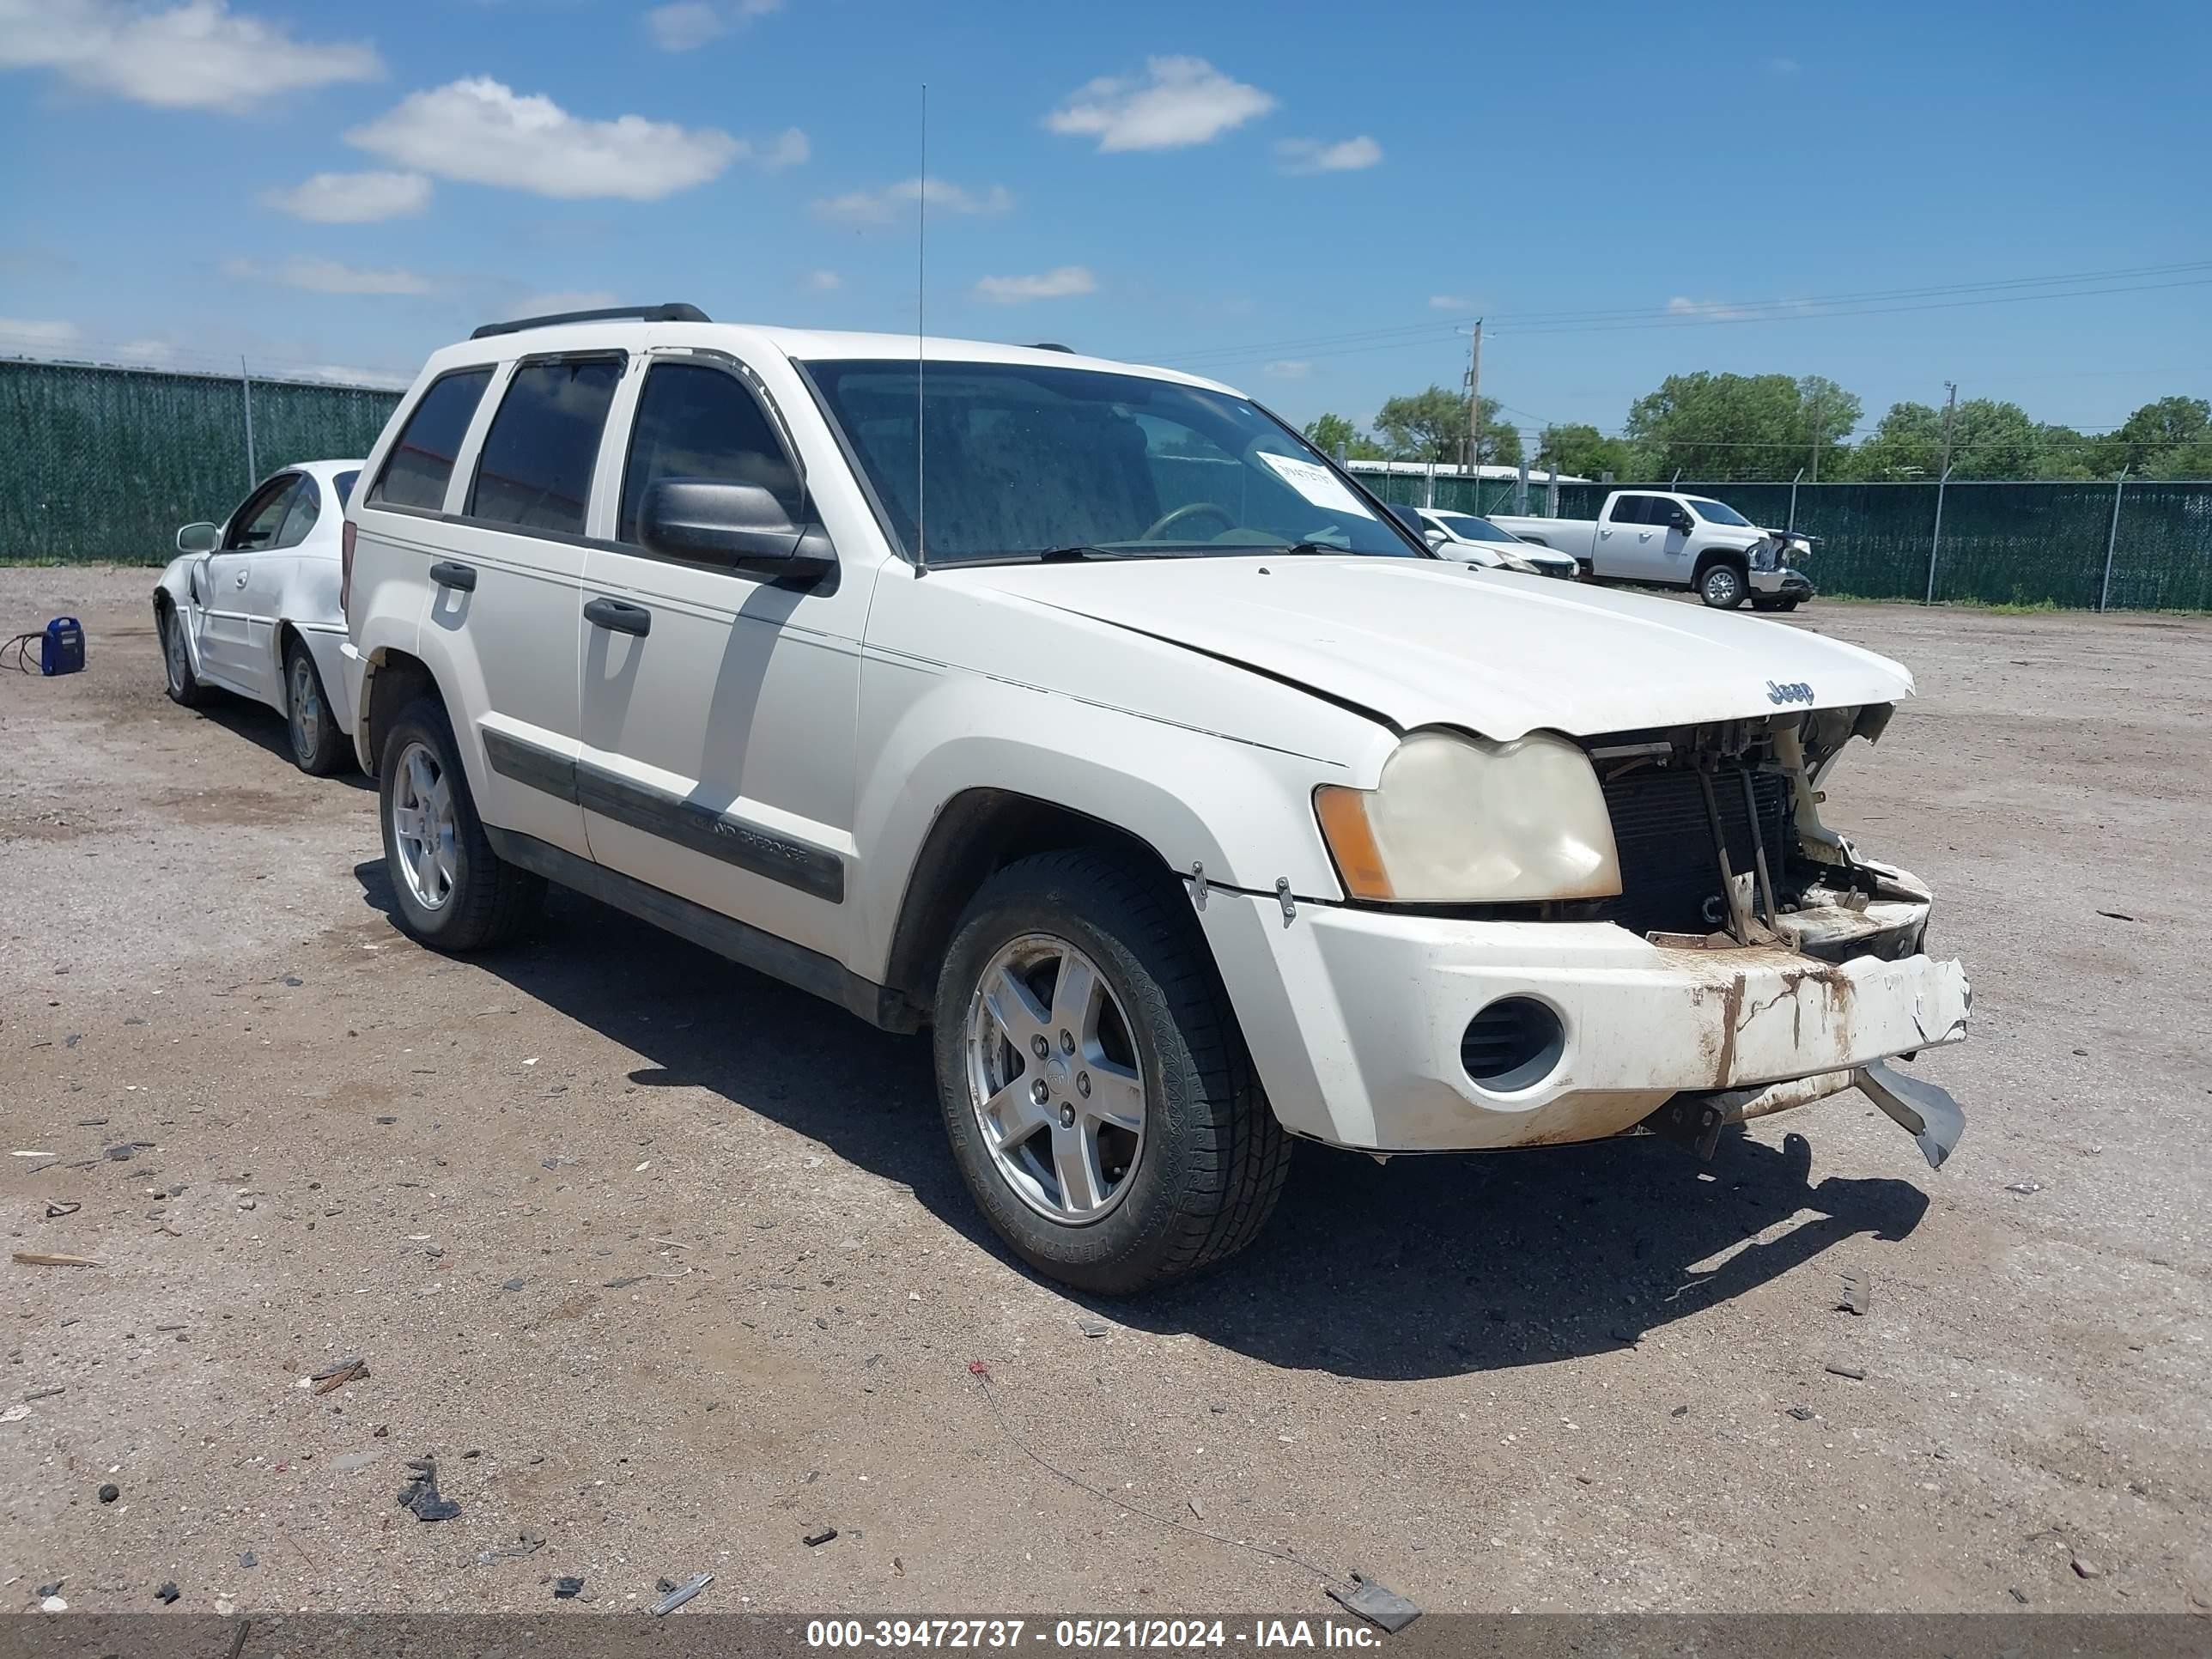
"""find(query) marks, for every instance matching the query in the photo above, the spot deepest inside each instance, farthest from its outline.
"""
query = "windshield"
(1714, 513)
(1025, 459)
(1467, 527)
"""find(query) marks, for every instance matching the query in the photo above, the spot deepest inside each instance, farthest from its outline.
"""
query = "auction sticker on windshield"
(1316, 482)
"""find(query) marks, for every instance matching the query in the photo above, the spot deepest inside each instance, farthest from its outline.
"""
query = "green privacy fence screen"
(99, 464)
(2000, 544)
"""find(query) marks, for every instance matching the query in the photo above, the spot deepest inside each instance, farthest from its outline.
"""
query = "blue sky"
(1306, 201)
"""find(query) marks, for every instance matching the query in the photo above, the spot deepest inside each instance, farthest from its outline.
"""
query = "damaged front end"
(1722, 849)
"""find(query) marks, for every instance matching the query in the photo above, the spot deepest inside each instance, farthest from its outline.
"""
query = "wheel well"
(977, 834)
(1713, 556)
(397, 681)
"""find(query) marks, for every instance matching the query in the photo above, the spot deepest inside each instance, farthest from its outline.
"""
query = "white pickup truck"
(1671, 540)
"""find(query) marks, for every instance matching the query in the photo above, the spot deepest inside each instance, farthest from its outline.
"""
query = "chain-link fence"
(105, 464)
(1994, 543)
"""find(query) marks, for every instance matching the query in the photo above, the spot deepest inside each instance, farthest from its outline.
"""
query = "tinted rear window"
(535, 469)
(422, 460)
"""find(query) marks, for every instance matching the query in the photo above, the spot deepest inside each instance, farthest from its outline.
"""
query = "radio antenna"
(920, 268)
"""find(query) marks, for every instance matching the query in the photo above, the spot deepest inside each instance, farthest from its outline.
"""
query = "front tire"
(1723, 586)
(319, 748)
(184, 686)
(1096, 1090)
(449, 889)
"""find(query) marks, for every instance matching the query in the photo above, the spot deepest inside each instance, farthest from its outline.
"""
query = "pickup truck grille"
(1668, 871)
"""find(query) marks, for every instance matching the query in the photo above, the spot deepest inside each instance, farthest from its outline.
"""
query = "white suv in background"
(1101, 724)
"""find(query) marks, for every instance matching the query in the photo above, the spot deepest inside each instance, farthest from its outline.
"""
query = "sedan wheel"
(1054, 1081)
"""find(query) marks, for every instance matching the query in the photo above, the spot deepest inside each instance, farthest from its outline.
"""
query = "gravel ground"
(667, 1265)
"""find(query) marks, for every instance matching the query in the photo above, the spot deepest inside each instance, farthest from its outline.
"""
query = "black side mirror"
(740, 525)
(1681, 519)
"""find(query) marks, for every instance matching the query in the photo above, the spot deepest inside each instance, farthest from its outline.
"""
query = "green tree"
(1716, 426)
(1585, 452)
(1989, 439)
(2171, 438)
(1906, 444)
(1432, 426)
(1329, 432)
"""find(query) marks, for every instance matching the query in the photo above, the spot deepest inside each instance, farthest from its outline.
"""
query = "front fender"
(1243, 811)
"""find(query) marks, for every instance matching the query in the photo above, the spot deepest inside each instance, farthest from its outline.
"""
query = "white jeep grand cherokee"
(1087, 715)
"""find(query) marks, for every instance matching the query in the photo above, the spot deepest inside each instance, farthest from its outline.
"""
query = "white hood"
(1436, 642)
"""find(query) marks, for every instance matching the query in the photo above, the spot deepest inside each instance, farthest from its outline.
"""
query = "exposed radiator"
(1670, 881)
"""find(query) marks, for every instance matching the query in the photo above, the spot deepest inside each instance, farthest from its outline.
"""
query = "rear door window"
(306, 507)
(1633, 510)
(422, 462)
(535, 472)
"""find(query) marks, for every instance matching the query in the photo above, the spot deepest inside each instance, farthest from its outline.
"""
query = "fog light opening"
(1512, 1044)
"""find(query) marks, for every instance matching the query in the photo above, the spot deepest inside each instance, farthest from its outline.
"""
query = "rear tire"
(449, 889)
(319, 748)
(1723, 586)
(1154, 1044)
(184, 686)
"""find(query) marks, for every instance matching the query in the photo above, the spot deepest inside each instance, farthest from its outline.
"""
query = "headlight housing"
(1459, 820)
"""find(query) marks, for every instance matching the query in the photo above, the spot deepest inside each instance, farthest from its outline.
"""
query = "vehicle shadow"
(1435, 1266)
(266, 728)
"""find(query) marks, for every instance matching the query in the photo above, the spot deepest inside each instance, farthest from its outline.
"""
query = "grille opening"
(1670, 880)
(1512, 1044)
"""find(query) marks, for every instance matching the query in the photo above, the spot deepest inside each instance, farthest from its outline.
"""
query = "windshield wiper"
(1082, 551)
(1306, 547)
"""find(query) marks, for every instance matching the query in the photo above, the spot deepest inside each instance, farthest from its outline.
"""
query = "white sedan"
(250, 605)
(1475, 540)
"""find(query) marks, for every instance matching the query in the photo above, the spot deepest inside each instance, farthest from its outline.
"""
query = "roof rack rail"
(1052, 345)
(673, 312)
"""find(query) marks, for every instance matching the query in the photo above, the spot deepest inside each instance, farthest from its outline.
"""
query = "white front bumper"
(1355, 1017)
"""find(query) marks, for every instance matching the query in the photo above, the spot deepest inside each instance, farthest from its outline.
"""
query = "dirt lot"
(668, 1265)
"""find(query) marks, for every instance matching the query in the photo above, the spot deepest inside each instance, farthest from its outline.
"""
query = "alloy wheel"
(1054, 1078)
(423, 827)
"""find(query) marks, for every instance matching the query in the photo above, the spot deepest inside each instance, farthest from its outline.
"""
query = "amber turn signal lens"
(1343, 814)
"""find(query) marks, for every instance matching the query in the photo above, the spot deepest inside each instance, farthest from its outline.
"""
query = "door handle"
(460, 577)
(243, 576)
(618, 617)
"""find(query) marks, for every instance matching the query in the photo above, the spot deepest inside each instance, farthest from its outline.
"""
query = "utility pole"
(1816, 443)
(1474, 411)
(1950, 407)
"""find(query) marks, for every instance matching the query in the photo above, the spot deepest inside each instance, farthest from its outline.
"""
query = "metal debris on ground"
(168, 1592)
(123, 1153)
(334, 1376)
(109, 1492)
(1858, 1293)
(1803, 1414)
(2116, 916)
(679, 1594)
(54, 1589)
(2085, 1569)
(52, 1259)
(58, 1207)
(421, 1493)
(818, 1536)
(1197, 1507)
(45, 1394)
(1854, 1372)
(1090, 1327)
(1376, 1603)
(566, 1589)
(2025, 1188)
(248, 1559)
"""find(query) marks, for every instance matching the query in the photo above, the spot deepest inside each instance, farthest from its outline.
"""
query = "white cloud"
(1059, 283)
(1719, 310)
(684, 25)
(20, 336)
(889, 205)
(1312, 155)
(154, 353)
(480, 131)
(352, 199)
(823, 281)
(200, 55)
(1449, 302)
(1180, 101)
(326, 276)
(1287, 368)
(687, 25)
